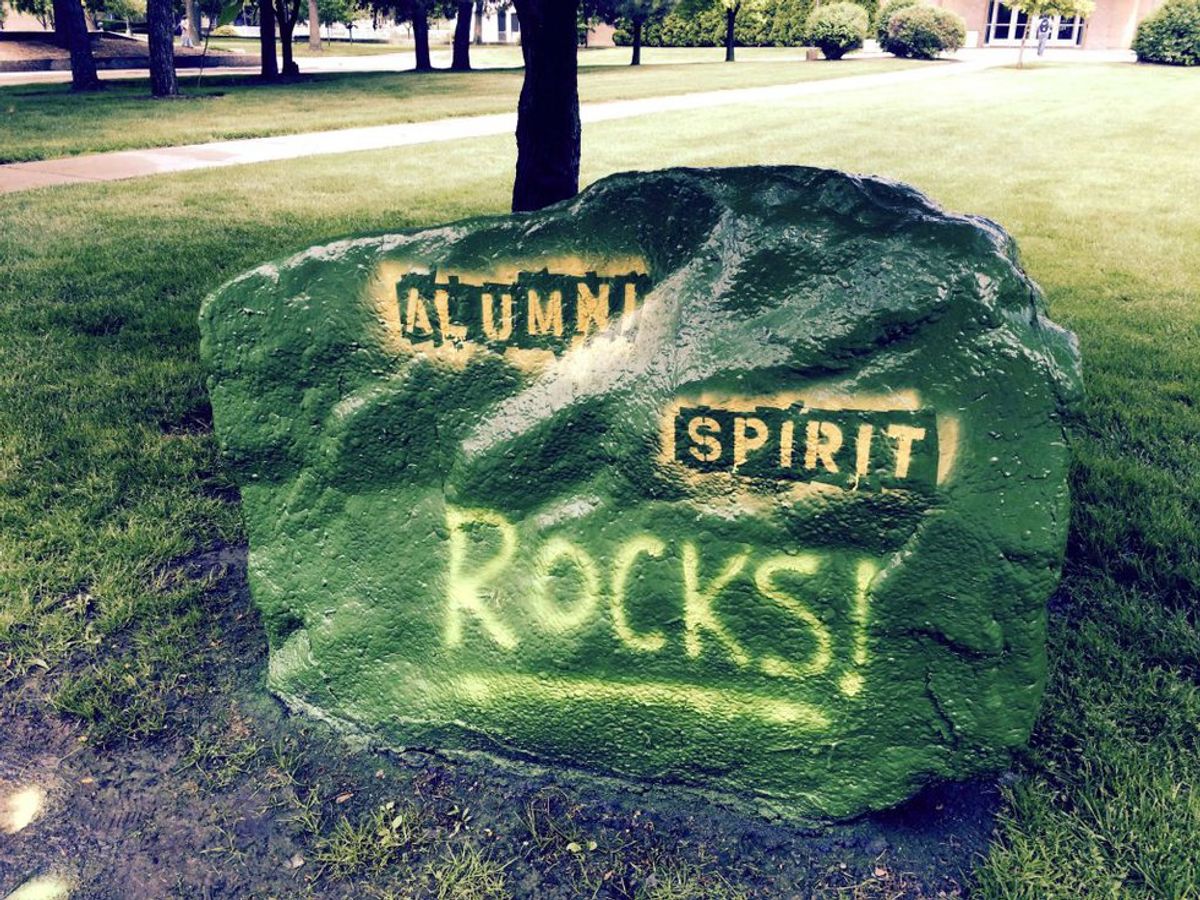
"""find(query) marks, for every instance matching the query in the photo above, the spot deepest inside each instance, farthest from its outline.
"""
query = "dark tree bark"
(420, 24)
(730, 18)
(548, 130)
(314, 26)
(289, 68)
(71, 33)
(160, 28)
(637, 44)
(266, 40)
(192, 9)
(479, 22)
(462, 36)
(286, 14)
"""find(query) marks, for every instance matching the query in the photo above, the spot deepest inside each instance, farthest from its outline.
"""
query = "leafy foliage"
(787, 22)
(837, 28)
(42, 10)
(334, 12)
(763, 23)
(922, 32)
(411, 10)
(633, 10)
(884, 15)
(871, 7)
(1171, 35)
(1035, 9)
(131, 10)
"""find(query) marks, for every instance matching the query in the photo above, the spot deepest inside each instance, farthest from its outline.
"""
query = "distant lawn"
(42, 121)
(249, 46)
(110, 473)
(492, 56)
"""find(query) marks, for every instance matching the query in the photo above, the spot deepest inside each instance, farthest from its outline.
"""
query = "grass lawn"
(490, 56)
(111, 475)
(300, 47)
(41, 121)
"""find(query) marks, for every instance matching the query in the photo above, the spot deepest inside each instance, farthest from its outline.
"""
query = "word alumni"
(541, 310)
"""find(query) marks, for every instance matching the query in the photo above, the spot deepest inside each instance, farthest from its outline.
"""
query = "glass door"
(1006, 28)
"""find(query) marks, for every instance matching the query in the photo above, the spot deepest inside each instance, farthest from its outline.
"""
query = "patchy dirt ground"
(236, 798)
(103, 47)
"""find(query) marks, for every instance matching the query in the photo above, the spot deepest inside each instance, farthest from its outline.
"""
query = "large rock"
(747, 479)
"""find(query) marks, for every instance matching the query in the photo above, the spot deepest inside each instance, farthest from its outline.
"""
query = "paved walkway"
(400, 61)
(138, 163)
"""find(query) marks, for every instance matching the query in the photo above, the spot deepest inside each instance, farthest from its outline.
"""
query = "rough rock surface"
(752, 480)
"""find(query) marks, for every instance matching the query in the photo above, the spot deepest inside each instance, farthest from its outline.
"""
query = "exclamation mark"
(851, 683)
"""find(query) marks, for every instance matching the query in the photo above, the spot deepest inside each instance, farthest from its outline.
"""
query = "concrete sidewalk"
(138, 163)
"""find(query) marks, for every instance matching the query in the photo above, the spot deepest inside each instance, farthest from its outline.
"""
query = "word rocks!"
(751, 481)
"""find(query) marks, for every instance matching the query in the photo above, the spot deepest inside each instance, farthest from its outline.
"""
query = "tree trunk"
(266, 40)
(286, 27)
(730, 18)
(548, 130)
(71, 33)
(479, 22)
(314, 26)
(1024, 38)
(286, 14)
(637, 44)
(420, 26)
(160, 27)
(192, 32)
(462, 36)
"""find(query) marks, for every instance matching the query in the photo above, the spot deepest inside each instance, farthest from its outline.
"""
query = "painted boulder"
(752, 480)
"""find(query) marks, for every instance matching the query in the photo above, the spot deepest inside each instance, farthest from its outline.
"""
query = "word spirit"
(849, 448)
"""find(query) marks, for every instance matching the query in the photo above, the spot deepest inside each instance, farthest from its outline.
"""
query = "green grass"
(249, 46)
(42, 121)
(508, 56)
(108, 475)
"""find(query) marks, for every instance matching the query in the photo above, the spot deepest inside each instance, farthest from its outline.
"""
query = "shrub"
(762, 24)
(886, 11)
(872, 8)
(224, 31)
(837, 28)
(787, 25)
(765, 23)
(922, 32)
(1171, 35)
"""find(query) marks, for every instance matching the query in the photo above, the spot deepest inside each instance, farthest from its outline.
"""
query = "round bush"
(884, 15)
(837, 28)
(922, 32)
(1171, 35)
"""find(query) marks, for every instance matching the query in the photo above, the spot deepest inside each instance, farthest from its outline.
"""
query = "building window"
(502, 21)
(513, 25)
(1006, 27)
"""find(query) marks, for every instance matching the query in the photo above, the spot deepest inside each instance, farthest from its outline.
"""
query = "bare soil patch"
(104, 47)
(238, 798)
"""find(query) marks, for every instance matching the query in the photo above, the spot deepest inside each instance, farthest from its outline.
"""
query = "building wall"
(974, 12)
(601, 35)
(487, 27)
(1111, 26)
(1114, 22)
(19, 21)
